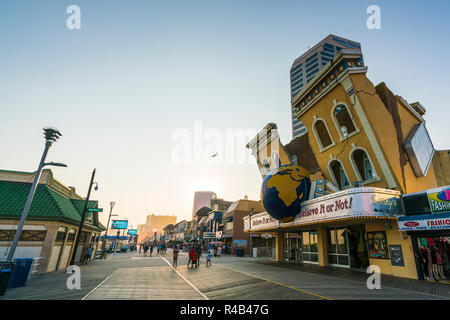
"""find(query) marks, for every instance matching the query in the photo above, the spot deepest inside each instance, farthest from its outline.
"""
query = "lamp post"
(250, 233)
(77, 241)
(112, 204)
(51, 135)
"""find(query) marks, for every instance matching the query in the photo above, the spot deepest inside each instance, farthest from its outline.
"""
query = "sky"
(138, 72)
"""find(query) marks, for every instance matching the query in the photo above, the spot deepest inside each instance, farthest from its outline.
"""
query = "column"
(322, 246)
(279, 242)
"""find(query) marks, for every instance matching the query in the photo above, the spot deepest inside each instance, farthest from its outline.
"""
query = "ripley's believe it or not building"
(374, 173)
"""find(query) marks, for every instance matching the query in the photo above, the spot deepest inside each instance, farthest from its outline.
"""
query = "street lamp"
(112, 204)
(77, 241)
(51, 135)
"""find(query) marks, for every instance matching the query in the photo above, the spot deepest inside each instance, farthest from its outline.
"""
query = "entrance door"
(338, 250)
(310, 252)
(292, 244)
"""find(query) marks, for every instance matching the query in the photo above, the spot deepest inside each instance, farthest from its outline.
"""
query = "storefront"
(354, 228)
(427, 221)
(264, 244)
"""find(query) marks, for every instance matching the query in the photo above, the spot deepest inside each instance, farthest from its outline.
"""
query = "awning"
(425, 222)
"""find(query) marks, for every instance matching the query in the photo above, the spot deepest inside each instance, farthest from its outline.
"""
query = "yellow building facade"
(360, 148)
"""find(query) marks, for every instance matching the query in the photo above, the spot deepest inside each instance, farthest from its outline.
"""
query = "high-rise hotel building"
(308, 64)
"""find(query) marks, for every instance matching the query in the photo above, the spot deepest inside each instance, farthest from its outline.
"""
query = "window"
(338, 173)
(322, 134)
(27, 235)
(265, 167)
(344, 121)
(60, 236)
(377, 244)
(276, 159)
(363, 165)
(71, 235)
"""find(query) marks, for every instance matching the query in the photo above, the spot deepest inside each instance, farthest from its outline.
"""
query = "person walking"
(219, 251)
(175, 257)
(140, 248)
(145, 249)
(191, 252)
(194, 258)
(208, 259)
(215, 250)
(199, 254)
(87, 256)
(151, 250)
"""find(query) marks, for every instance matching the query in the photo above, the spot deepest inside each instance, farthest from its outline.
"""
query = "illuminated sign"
(351, 203)
(437, 221)
(119, 224)
(420, 150)
(439, 200)
(132, 232)
(209, 235)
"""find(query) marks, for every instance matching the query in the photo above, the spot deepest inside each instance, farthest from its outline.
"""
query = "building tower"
(309, 63)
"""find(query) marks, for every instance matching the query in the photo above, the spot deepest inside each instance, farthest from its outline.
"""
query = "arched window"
(322, 134)
(276, 159)
(265, 167)
(363, 165)
(339, 174)
(343, 120)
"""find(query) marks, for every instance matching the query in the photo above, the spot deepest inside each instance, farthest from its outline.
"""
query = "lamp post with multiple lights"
(51, 135)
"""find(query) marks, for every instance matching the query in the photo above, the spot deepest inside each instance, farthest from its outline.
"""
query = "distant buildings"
(202, 199)
(154, 224)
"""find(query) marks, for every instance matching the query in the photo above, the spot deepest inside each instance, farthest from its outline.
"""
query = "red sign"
(411, 224)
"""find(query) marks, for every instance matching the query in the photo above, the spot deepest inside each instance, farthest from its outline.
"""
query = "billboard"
(439, 200)
(209, 235)
(132, 232)
(119, 224)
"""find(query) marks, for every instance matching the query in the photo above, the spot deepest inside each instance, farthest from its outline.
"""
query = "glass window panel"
(343, 260)
(332, 258)
(331, 241)
(313, 243)
(305, 244)
(306, 257)
(314, 257)
(341, 241)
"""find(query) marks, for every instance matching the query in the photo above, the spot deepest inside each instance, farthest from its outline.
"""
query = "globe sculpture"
(283, 191)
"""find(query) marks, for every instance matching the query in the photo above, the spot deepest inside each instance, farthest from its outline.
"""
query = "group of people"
(160, 249)
(195, 254)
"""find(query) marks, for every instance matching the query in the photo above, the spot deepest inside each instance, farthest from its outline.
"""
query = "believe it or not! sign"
(358, 202)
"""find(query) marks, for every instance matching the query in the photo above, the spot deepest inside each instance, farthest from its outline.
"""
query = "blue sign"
(240, 243)
(119, 224)
(132, 232)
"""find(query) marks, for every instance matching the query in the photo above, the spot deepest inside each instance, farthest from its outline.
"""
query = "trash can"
(6, 268)
(255, 252)
(238, 252)
(20, 272)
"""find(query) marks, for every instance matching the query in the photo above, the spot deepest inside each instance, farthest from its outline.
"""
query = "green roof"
(47, 204)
